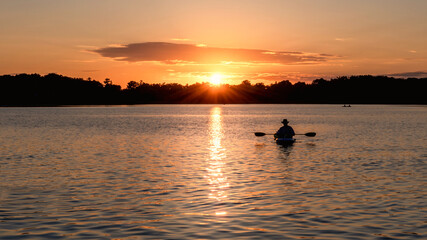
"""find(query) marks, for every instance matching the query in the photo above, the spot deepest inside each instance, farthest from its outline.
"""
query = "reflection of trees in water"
(53, 89)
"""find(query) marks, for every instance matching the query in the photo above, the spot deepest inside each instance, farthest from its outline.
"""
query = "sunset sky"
(190, 41)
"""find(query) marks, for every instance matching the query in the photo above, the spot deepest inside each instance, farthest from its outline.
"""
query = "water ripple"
(197, 172)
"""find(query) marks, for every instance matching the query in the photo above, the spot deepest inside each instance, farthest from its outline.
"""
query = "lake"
(199, 172)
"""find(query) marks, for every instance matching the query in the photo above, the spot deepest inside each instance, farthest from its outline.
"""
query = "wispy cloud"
(342, 39)
(178, 53)
(238, 77)
(280, 76)
(181, 39)
(418, 74)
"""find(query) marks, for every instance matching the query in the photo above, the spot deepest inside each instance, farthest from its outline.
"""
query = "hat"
(285, 121)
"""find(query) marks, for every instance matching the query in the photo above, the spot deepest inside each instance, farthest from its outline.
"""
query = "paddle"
(309, 134)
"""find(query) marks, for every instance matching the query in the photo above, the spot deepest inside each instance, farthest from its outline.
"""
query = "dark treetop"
(54, 90)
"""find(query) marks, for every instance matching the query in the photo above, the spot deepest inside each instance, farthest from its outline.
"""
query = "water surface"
(198, 172)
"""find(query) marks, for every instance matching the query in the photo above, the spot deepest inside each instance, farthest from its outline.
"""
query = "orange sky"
(189, 41)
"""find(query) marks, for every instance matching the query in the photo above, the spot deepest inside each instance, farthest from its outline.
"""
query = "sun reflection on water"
(218, 182)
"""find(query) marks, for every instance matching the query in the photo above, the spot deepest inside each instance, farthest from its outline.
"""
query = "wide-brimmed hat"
(285, 121)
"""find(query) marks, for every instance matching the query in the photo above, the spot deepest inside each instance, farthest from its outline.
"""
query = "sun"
(216, 79)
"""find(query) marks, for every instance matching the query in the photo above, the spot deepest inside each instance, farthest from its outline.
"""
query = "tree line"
(53, 90)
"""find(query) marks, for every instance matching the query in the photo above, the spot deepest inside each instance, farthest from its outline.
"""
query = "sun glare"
(216, 79)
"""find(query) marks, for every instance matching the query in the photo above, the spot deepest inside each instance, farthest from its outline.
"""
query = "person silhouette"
(285, 131)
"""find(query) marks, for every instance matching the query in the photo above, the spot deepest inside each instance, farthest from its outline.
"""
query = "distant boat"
(346, 105)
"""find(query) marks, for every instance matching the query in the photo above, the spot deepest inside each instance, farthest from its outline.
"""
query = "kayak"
(285, 141)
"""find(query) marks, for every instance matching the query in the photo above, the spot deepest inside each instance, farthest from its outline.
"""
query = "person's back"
(286, 131)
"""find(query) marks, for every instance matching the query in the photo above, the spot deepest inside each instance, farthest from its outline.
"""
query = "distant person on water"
(286, 131)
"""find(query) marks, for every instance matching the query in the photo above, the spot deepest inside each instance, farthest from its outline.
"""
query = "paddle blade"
(310, 134)
(259, 134)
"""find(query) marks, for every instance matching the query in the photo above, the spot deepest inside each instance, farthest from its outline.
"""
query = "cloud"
(280, 76)
(181, 39)
(342, 39)
(418, 74)
(178, 53)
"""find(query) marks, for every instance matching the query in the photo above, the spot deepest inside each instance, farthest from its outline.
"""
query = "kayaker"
(286, 131)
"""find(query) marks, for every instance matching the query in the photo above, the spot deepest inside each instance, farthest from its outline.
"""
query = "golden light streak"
(216, 179)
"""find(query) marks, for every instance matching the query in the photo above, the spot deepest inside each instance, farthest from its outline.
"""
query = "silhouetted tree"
(108, 82)
(54, 89)
(132, 85)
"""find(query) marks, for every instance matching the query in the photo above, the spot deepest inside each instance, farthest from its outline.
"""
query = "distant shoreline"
(144, 104)
(53, 90)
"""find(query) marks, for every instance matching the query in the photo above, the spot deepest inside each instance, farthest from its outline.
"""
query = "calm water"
(198, 172)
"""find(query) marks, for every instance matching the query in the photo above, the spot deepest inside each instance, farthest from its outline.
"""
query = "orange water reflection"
(218, 182)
